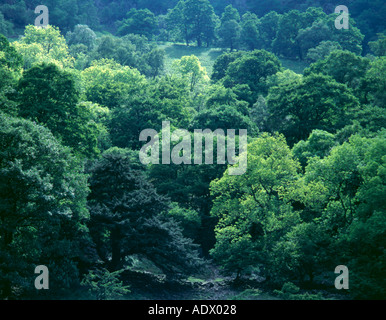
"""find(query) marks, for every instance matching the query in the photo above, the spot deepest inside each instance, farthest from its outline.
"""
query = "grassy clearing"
(208, 56)
(195, 280)
(294, 65)
(253, 294)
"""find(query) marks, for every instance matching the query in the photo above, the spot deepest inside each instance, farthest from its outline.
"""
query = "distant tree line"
(218, 19)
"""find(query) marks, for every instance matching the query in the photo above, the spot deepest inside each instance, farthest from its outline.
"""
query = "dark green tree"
(50, 97)
(379, 46)
(285, 42)
(318, 144)
(322, 50)
(229, 30)
(344, 67)
(374, 83)
(250, 36)
(314, 102)
(82, 34)
(165, 99)
(268, 28)
(195, 20)
(324, 29)
(229, 34)
(132, 50)
(43, 211)
(156, 62)
(5, 26)
(188, 185)
(9, 56)
(125, 217)
(222, 117)
(250, 73)
(221, 64)
(223, 110)
(141, 22)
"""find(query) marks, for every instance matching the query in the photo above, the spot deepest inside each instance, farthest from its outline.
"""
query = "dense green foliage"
(43, 209)
(76, 95)
(129, 222)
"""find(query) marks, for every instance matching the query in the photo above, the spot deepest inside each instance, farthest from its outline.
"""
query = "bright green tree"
(46, 45)
(252, 211)
(10, 71)
(107, 82)
(190, 68)
(105, 285)
(343, 195)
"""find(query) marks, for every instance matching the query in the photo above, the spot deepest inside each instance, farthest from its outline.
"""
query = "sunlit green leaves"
(43, 45)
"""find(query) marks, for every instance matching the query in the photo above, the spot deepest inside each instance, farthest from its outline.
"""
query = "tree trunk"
(7, 291)
(238, 275)
(115, 248)
(186, 36)
(299, 50)
(199, 42)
